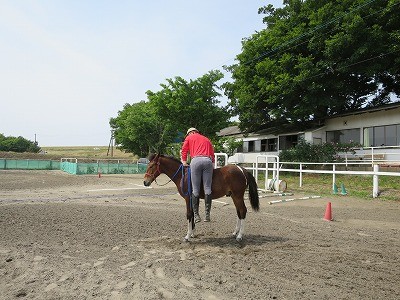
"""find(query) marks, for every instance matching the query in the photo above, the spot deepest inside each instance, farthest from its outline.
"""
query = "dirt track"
(84, 237)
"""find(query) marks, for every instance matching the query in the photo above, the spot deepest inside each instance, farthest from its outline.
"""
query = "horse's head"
(153, 169)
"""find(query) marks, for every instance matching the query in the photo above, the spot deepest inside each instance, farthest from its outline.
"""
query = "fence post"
(301, 175)
(216, 155)
(372, 156)
(375, 191)
(333, 176)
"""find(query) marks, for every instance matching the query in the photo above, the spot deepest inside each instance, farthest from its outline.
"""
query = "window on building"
(288, 141)
(272, 145)
(264, 145)
(317, 141)
(388, 135)
(249, 146)
(343, 136)
(269, 145)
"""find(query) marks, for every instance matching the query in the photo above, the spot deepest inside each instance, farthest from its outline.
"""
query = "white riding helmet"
(191, 129)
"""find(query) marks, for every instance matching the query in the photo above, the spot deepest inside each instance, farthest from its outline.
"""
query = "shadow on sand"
(230, 241)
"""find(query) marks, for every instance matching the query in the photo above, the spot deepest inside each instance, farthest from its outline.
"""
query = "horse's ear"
(152, 156)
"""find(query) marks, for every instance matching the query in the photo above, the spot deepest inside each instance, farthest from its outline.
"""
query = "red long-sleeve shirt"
(197, 145)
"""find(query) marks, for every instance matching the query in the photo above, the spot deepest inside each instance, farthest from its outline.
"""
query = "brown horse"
(230, 180)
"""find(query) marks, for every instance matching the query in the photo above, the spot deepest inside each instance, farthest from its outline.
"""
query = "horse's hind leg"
(237, 228)
(241, 211)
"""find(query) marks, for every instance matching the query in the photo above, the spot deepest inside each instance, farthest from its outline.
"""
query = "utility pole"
(111, 144)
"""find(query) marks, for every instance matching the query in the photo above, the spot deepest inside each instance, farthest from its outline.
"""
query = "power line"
(267, 53)
(355, 63)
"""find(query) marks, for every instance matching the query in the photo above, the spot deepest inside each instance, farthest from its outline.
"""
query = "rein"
(172, 178)
(181, 168)
(189, 183)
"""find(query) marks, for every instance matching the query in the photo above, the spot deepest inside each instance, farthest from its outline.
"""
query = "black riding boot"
(207, 201)
(195, 205)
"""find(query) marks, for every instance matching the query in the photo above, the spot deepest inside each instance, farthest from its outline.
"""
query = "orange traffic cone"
(328, 212)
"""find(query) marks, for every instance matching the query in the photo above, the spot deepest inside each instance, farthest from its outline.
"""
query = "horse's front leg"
(190, 219)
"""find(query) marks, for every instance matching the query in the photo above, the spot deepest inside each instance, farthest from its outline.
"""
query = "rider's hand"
(185, 164)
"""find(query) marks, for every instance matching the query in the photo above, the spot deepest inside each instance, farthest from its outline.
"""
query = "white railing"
(382, 154)
(266, 159)
(224, 155)
(375, 172)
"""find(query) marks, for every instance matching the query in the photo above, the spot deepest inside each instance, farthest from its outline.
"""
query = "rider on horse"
(201, 168)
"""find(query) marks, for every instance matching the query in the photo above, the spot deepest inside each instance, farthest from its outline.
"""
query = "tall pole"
(111, 144)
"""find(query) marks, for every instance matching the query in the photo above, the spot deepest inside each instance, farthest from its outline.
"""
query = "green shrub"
(323, 153)
(17, 144)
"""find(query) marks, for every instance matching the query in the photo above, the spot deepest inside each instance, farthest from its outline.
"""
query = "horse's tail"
(253, 191)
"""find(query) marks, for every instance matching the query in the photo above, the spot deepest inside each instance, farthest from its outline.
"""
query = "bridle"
(181, 168)
(159, 173)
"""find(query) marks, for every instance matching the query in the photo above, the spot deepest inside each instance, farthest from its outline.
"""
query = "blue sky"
(67, 67)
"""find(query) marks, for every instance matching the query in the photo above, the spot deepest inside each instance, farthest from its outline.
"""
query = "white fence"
(271, 163)
(276, 167)
(387, 154)
(382, 154)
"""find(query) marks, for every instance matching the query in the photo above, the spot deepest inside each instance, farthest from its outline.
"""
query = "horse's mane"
(151, 157)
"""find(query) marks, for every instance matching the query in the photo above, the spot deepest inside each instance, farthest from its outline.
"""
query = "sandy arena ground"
(83, 237)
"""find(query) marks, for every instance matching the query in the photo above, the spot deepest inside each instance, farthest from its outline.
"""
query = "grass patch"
(99, 152)
(80, 152)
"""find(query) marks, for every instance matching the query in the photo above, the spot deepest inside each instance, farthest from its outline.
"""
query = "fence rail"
(273, 164)
(101, 166)
(76, 166)
(28, 164)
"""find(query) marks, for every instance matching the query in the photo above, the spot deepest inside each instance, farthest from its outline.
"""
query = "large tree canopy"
(150, 126)
(317, 58)
(194, 103)
(139, 130)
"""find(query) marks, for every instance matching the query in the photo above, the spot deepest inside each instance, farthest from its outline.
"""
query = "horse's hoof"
(186, 239)
(239, 239)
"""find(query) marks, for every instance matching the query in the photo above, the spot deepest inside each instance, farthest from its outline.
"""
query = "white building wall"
(363, 120)
(379, 118)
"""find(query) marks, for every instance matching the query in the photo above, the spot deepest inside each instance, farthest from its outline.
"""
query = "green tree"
(139, 130)
(17, 144)
(159, 124)
(227, 145)
(195, 103)
(316, 58)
